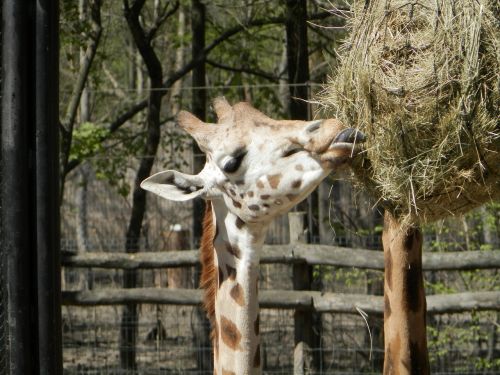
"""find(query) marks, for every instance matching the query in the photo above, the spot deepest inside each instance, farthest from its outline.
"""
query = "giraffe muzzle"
(345, 146)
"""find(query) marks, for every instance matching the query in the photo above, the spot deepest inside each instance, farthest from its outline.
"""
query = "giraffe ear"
(175, 186)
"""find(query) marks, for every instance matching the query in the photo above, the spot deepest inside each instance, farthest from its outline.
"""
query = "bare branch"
(258, 73)
(161, 18)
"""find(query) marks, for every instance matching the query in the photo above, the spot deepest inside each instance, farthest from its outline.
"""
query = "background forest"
(127, 68)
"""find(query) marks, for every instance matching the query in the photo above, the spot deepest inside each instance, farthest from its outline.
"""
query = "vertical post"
(305, 338)
(17, 181)
(47, 189)
(404, 300)
(29, 191)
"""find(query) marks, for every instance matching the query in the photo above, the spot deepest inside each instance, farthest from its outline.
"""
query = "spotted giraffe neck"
(231, 285)
(404, 300)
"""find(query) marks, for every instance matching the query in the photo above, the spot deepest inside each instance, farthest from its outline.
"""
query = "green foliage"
(87, 140)
(468, 341)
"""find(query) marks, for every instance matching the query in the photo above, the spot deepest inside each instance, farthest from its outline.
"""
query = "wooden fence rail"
(287, 299)
(288, 254)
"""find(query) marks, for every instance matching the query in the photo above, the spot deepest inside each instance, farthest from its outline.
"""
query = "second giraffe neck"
(237, 249)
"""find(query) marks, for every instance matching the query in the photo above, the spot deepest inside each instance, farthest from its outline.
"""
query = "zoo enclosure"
(303, 300)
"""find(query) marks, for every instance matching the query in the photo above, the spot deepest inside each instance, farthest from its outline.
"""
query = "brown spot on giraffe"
(230, 334)
(250, 194)
(233, 250)
(232, 192)
(256, 358)
(296, 184)
(265, 197)
(299, 167)
(231, 272)
(418, 360)
(388, 269)
(410, 239)
(239, 223)
(387, 307)
(236, 204)
(260, 184)
(237, 294)
(291, 197)
(254, 207)
(412, 285)
(274, 180)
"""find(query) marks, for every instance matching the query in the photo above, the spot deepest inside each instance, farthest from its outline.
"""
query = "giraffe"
(256, 169)
(405, 339)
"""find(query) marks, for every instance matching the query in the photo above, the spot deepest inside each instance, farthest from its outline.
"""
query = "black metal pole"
(17, 182)
(47, 189)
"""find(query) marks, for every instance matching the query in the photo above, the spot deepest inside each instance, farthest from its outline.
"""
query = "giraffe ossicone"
(257, 168)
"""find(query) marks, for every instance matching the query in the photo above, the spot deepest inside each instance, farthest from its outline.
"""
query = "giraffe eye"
(291, 151)
(233, 164)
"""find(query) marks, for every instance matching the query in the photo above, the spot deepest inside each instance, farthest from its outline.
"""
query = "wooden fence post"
(303, 359)
(179, 277)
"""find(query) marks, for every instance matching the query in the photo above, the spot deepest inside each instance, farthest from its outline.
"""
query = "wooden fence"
(303, 300)
(302, 254)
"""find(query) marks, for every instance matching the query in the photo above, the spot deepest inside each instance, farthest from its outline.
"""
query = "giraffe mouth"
(345, 146)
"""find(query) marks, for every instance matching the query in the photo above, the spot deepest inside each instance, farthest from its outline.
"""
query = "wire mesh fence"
(170, 338)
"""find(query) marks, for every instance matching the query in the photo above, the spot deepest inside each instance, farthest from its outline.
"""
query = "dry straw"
(421, 80)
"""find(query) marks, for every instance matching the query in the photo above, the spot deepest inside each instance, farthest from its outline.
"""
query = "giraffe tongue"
(350, 135)
(345, 146)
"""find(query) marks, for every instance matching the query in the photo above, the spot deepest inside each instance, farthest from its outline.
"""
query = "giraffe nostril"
(314, 126)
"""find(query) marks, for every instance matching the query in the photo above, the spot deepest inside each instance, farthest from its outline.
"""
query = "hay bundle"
(421, 80)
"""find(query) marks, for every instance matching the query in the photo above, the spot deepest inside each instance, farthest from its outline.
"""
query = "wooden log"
(287, 299)
(183, 297)
(297, 253)
(461, 302)
(347, 303)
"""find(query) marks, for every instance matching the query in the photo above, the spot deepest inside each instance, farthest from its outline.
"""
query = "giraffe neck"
(404, 301)
(236, 252)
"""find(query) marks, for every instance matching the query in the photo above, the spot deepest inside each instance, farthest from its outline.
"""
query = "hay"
(421, 79)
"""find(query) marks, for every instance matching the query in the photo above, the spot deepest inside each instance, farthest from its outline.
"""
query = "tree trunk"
(82, 239)
(128, 329)
(201, 328)
(297, 58)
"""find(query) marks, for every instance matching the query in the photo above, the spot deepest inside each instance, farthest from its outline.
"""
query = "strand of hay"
(421, 79)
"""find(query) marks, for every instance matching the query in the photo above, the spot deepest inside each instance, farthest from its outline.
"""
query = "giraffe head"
(258, 166)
